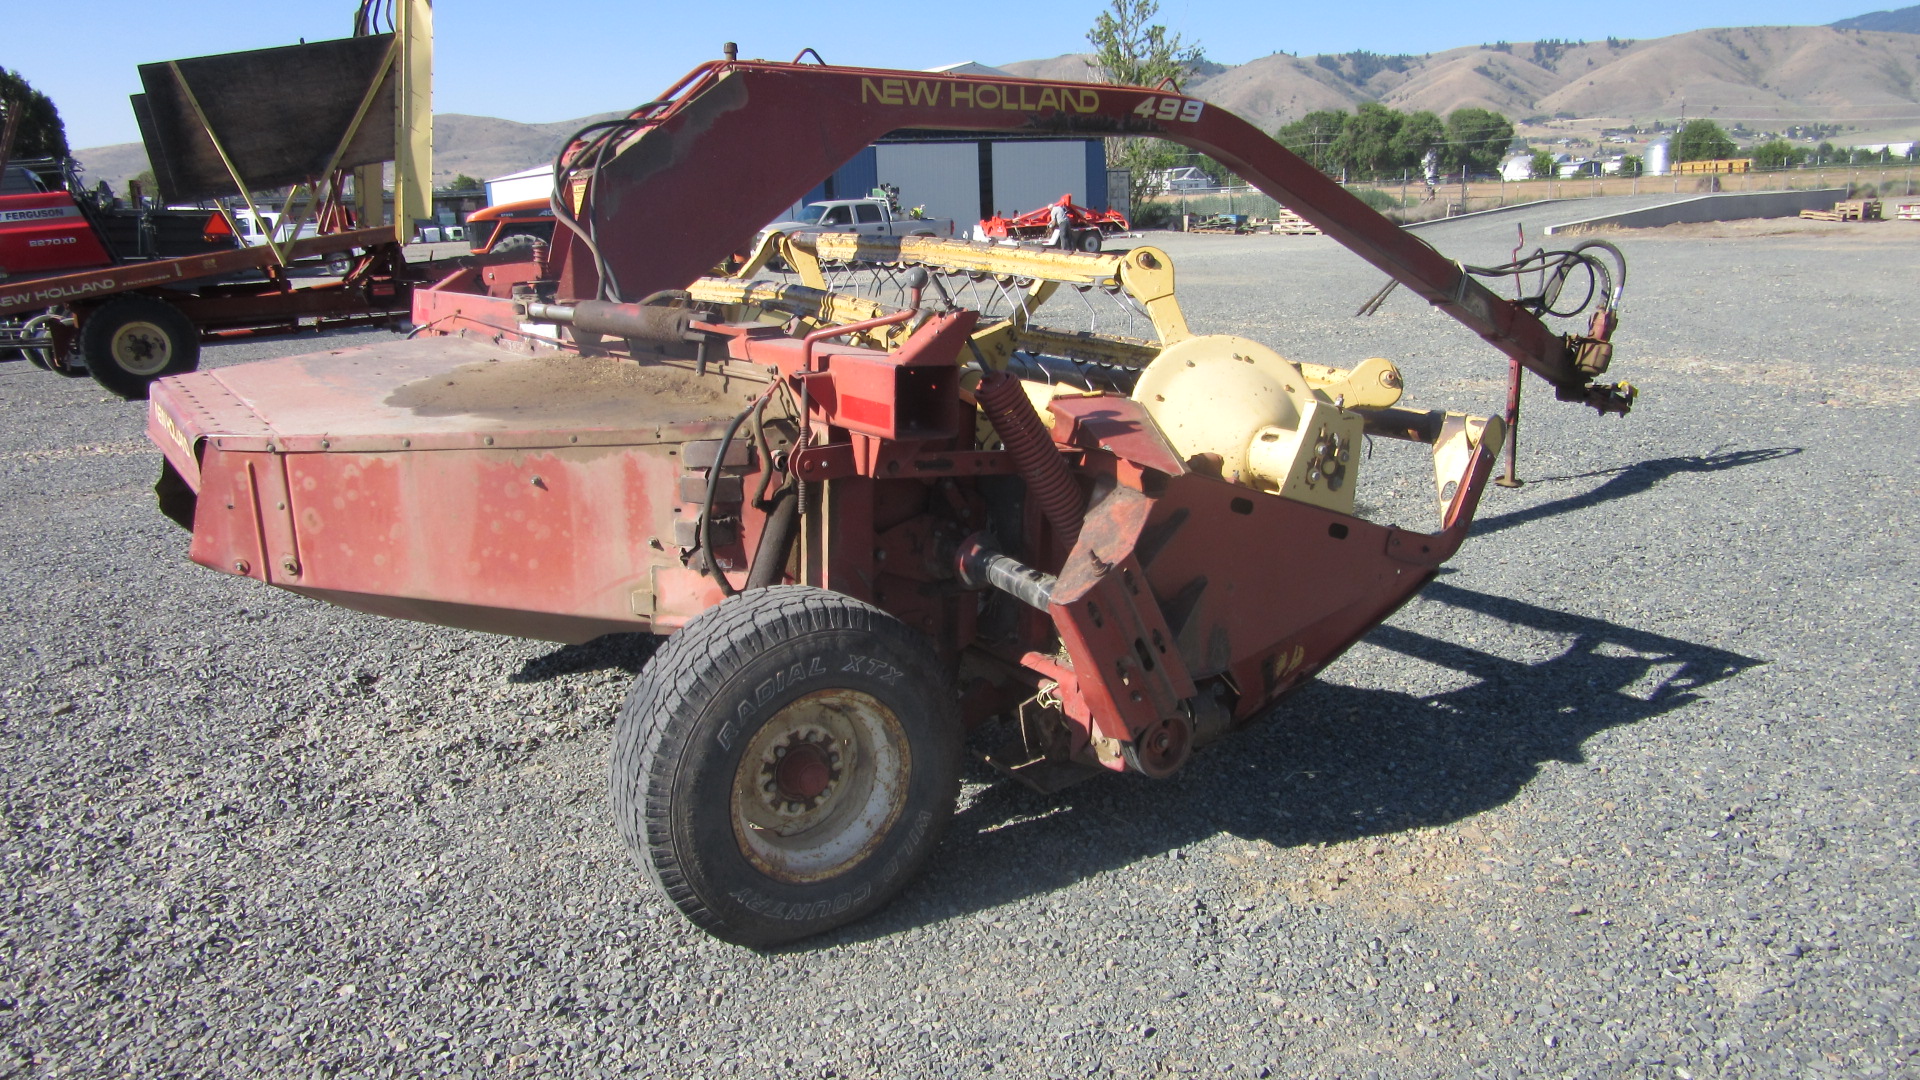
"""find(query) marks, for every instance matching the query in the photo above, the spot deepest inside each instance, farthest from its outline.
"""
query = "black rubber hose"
(713, 493)
(776, 540)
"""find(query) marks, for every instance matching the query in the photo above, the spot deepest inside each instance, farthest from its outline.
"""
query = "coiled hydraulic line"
(1048, 478)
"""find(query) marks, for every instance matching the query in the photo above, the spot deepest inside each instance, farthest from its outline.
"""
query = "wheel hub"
(141, 348)
(819, 784)
(802, 773)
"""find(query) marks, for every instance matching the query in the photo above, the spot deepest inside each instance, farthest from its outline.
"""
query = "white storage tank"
(1659, 162)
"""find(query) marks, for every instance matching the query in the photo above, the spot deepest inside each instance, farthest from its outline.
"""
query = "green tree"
(1129, 49)
(1312, 137)
(1365, 149)
(41, 133)
(1702, 140)
(1777, 154)
(1633, 165)
(1477, 139)
(1542, 166)
(1420, 133)
(463, 182)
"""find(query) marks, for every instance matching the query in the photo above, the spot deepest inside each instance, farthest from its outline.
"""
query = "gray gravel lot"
(1629, 791)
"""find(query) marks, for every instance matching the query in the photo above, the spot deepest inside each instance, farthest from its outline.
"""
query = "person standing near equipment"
(1057, 223)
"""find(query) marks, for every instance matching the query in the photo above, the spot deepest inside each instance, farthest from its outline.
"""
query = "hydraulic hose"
(776, 540)
(1048, 478)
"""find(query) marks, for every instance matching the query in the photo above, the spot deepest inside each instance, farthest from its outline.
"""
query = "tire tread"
(672, 690)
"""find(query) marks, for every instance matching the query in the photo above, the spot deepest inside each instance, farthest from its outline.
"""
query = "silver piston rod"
(982, 567)
(655, 325)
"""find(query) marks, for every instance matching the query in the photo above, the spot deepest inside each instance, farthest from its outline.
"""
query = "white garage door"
(943, 177)
(1029, 175)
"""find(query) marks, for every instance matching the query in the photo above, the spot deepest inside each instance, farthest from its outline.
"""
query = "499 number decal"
(1170, 108)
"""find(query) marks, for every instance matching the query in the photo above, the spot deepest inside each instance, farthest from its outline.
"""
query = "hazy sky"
(538, 62)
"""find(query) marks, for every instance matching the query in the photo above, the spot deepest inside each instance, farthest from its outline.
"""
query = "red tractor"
(863, 530)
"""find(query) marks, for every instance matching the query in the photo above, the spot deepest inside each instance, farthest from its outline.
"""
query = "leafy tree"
(1702, 140)
(1420, 133)
(463, 182)
(1477, 139)
(1129, 49)
(1543, 167)
(1633, 165)
(1777, 154)
(1312, 137)
(1365, 149)
(41, 133)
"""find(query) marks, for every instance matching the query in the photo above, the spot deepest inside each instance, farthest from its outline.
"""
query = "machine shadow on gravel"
(1330, 764)
(1628, 481)
(628, 652)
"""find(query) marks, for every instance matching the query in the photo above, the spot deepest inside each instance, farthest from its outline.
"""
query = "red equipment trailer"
(862, 536)
(221, 126)
(133, 322)
(1086, 228)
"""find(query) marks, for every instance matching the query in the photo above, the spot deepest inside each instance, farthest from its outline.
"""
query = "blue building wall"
(1097, 196)
(854, 180)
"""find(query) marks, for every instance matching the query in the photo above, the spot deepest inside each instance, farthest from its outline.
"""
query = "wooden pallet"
(1286, 223)
(1852, 210)
(1907, 211)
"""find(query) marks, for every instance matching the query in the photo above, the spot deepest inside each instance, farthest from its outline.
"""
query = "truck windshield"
(810, 214)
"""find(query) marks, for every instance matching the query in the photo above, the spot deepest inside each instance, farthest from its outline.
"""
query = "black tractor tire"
(129, 341)
(517, 242)
(1090, 241)
(784, 764)
(339, 264)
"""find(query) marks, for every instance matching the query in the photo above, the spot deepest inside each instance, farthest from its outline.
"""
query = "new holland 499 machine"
(865, 531)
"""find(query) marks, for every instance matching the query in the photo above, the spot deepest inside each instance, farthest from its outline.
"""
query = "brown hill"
(1763, 75)
(1767, 76)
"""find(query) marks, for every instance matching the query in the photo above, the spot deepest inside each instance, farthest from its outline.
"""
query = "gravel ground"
(1630, 791)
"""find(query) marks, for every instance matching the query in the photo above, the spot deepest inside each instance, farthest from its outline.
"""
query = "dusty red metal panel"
(420, 481)
(1332, 575)
(1118, 425)
(1129, 667)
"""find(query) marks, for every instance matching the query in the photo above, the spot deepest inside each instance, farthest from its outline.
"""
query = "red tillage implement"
(1085, 226)
(863, 532)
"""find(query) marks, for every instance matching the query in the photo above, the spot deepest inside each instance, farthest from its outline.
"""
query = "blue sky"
(559, 60)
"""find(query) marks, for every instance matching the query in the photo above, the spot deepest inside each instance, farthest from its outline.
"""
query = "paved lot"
(1630, 791)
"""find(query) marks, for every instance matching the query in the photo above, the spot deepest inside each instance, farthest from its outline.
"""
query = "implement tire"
(131, 340)
(785, 762)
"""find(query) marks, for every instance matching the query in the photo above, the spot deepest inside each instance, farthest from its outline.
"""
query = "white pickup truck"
(872, 217)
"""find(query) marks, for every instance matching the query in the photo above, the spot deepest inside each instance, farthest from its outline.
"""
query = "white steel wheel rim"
(141, 348)
(819, 785)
